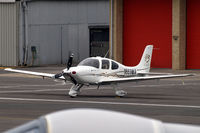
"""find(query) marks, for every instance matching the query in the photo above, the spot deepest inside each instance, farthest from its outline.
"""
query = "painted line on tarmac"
(19, 86)
(90, 88)
(62, 84)
(44, 90)
(99, 102)
(29, 91)
(163, 85)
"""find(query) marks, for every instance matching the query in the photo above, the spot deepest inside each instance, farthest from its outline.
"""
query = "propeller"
(69, 64)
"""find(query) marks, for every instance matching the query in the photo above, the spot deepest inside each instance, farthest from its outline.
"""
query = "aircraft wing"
(34, 73)
(110, 80)
(153, 73)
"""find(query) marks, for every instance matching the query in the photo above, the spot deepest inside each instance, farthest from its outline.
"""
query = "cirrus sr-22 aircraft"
(100, 71)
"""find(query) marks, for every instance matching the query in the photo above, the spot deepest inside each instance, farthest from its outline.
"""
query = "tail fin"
(145, 62)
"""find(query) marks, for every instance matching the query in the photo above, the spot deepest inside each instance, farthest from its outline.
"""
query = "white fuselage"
(85, 74)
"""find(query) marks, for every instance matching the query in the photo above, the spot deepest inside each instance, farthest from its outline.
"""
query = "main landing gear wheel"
(120, 93)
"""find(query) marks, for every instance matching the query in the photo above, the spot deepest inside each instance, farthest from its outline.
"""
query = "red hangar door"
(147, 22)
(193, 34)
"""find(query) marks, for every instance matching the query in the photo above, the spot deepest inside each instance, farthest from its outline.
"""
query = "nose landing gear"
(75, 89)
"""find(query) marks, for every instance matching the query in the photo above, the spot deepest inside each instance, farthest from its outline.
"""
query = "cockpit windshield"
(90, 62)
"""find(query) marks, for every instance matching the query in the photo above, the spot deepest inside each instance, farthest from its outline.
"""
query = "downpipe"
(25, 46)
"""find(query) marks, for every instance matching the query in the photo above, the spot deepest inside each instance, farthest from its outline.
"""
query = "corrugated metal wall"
(8, 34)
(58, 28)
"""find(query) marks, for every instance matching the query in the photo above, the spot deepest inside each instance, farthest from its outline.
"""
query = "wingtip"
(7, 69)
(190, 74)
(193, 74)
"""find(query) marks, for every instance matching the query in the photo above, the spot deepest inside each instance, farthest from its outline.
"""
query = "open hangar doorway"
(99, 41)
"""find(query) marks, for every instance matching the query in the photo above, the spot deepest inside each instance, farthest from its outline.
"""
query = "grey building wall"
(8, 34)
(58, 28)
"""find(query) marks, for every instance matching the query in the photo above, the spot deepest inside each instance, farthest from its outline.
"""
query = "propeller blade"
(66, 74)
(69, 63)
(58, 75)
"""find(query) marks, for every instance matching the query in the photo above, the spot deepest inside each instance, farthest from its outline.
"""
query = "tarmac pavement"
(24, 98)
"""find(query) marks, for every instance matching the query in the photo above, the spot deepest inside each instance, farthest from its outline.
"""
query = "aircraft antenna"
(106, 54)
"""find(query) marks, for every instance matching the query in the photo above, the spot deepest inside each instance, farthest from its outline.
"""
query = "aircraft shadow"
(97, 96)
(129, 96)
(156, 97)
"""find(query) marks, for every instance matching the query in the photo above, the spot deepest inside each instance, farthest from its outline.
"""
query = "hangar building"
(172, 26)
(40, 32)
(47, 31)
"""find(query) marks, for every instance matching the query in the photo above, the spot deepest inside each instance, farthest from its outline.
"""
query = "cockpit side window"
(114, 65)
(90, 62)
(105, 64)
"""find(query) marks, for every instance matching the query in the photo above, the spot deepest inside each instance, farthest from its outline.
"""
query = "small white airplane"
(100, 71)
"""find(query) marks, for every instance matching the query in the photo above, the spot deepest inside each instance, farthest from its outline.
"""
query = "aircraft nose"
(73, 72)
(78, 71)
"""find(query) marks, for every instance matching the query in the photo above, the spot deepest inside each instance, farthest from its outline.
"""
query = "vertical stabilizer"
(145, 62)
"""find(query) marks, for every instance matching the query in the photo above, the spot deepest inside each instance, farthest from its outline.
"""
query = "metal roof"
(7, 1)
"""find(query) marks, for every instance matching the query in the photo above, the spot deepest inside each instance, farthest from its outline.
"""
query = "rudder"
(145, 62)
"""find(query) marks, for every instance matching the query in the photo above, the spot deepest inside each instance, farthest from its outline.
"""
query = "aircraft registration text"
(129, 72)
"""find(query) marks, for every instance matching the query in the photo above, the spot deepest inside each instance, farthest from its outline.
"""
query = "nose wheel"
(75, 89)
